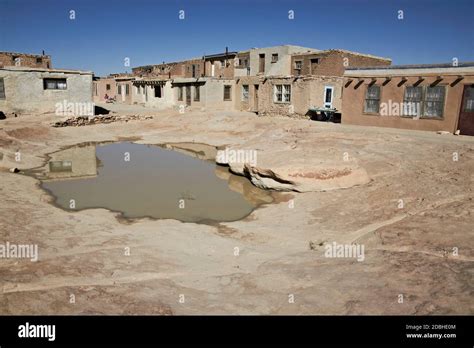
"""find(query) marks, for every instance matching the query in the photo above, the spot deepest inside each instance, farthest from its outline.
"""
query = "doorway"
(261, 63)
(255, 98)
(466, 114)
(328, 96)
(188, 95)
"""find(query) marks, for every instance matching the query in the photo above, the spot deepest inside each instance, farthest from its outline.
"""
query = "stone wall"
(25, 60)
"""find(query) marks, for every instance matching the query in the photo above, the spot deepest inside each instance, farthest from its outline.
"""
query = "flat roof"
(466, 68)
(64, 71)
(217, 55)
(343, 51)
(415, 66)
(25, 54)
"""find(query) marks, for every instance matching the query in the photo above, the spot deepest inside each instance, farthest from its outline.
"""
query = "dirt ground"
(418, 257)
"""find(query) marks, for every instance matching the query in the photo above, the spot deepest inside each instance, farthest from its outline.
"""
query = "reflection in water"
(147, 180)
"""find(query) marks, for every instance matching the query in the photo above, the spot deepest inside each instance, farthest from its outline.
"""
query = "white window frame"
(245, 93)
(285, 91)
(325, 103)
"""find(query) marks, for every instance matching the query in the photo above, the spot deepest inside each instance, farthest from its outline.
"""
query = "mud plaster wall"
(305, 93)
(354, 99)
(24, 91)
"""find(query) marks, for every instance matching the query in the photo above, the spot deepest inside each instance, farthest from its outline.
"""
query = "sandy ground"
(187, 268)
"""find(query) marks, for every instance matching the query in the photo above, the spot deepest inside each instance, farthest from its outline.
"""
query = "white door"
(212, 69)
(328, 96)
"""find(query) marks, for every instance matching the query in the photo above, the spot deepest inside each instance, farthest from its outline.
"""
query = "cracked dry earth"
(408, 250)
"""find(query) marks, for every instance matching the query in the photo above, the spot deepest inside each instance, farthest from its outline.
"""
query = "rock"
(14, 170)
(2, 115)
(457, 132)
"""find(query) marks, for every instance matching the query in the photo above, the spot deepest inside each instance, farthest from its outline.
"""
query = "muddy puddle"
(175, 181)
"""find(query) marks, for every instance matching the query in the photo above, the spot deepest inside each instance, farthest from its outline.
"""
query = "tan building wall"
(25, 60)
(124, 88)
(211, 93)
(103, 86)
(197, 71)
(393, 83)
(220, 67)
(333, 62)
(25, 91)
(143, 92)
(165, 70)
(306, 92)
(280, 66)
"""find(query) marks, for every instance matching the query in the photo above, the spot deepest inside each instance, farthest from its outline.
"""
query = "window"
(372, 99)
(60, 166)
(227, 90)
(433, 101)
(107, 86)
(158, 91)
(54, 84)
(468, 99)
(245, 93)
(315, 61)
(39, 60)
(412, 101)
(196, 93)
(2, 88)
(261, 63)
(223, 64)
(127, 89)
(274, 57)
(243, 62)
(180, 93)
(282, 93)
(298, 64)
(119, 89)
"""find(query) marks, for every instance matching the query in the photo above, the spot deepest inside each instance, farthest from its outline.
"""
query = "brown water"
(149, 181)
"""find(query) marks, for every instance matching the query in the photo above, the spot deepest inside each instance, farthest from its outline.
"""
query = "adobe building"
(309, 79)
(332, 62)
(104, 86)
(124, 85)
(25, 90)
(204, 93)
(220, 65)
(25, 60)
(153, 92)
(432, 97)
(274, 61)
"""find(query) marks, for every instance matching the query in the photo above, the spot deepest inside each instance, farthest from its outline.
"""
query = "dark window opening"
(227, 92)
(2, 88)
(197, 95)
(158, 92)
(54, 84)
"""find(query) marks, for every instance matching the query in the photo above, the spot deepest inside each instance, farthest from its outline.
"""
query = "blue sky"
(150, 32)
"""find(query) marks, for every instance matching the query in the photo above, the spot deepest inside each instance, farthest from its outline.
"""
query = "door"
(213, 69)
(261, 63)
(188, 95)
(255, 98)
(328, 96)
(466, 115)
